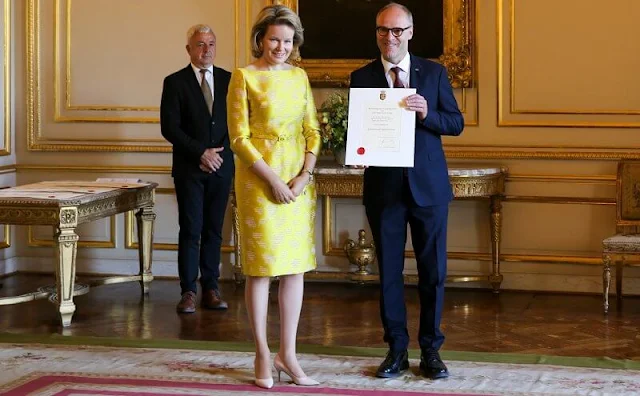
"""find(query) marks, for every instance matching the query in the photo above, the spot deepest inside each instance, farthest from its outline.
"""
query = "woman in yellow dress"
(274, 134)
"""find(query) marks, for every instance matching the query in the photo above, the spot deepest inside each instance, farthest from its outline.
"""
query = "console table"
(67, 204)
(468, 182)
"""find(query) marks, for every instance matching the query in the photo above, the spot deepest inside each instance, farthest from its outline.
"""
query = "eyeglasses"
(397, 32)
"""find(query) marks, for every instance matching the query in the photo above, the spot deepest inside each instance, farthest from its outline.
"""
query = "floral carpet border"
(489, 357)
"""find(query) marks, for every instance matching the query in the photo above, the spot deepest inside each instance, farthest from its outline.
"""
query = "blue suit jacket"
(429, 178)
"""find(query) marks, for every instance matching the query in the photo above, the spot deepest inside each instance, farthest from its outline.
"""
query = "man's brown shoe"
(187, 303)
(211, 300)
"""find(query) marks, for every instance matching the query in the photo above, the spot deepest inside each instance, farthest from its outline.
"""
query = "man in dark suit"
(193, 117)
(418, 196)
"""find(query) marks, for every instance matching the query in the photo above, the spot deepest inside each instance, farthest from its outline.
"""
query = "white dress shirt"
(404, 65)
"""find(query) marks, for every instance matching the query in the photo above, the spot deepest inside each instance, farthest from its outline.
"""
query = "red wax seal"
(360, 150)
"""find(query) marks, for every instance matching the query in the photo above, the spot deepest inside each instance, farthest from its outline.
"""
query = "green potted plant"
(334, 113)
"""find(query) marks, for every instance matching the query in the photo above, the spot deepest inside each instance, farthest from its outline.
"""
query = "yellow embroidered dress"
(272, 115)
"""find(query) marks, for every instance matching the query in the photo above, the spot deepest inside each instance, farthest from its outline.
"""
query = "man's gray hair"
(199, 28)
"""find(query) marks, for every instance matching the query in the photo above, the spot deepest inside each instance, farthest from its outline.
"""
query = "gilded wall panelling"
(63, 79)
(6, 237)
(536, 150)
(507, 87)
(130, 232)
(328, 227)
(329, 249)
(6, 78)
(34, 241)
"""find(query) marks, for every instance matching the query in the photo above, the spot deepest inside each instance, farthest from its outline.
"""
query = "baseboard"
(547, 282)
(102, 266)
(8, 266)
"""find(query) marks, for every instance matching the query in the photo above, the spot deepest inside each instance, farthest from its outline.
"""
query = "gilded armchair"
(624, 247)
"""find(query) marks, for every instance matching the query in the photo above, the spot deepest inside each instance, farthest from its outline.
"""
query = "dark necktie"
(397, 83)
(206, 90)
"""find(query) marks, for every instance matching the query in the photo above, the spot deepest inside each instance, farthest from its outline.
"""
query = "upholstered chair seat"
(621, 243)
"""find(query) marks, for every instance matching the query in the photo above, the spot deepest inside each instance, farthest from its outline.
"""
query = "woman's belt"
(276, 138)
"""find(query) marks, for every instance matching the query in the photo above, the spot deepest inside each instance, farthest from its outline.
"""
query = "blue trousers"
(428, 226)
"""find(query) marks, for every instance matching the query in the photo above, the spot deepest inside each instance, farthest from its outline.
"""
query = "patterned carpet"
(54, 369)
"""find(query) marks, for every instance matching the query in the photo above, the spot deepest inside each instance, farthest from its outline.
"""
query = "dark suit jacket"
(186, 123)
(428, 179)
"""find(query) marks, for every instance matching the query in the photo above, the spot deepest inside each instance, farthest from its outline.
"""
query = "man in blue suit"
(418, 196)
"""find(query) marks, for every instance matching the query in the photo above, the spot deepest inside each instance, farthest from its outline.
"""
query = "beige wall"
(554, 100)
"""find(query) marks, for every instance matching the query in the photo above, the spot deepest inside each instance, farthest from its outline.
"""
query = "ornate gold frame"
(457, 57)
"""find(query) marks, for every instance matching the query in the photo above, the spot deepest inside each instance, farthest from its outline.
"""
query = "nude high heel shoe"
(266, 383)
(302, 381)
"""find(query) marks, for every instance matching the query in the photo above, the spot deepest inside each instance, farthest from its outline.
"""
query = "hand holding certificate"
(381, 131)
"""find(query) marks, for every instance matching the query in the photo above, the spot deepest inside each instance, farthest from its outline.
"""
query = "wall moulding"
(63, 51)
(166, 170)
(34, 241)
(510, 115)
(52, 52)
(6, 238)
(478, 152)
(129, 230)
(36, 140)
(330, 249)
(6, 78)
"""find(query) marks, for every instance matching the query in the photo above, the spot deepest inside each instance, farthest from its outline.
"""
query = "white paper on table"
(381, 131)
(60, 195)
(125, 180)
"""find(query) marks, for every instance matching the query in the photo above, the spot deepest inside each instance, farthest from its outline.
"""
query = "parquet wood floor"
(344, 314)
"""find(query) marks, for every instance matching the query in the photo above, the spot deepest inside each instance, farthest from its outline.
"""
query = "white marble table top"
(455, 170)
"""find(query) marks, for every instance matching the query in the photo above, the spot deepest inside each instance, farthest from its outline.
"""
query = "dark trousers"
(429, 236)
(202, 202)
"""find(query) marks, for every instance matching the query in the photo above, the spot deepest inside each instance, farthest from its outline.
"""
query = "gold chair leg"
(606, 280)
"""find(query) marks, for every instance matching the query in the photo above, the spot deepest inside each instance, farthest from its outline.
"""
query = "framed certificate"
(381, 131)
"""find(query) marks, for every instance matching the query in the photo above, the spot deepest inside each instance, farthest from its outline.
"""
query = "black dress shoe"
(431, 365)
(393, 365)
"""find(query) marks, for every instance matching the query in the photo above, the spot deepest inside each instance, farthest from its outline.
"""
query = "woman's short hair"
(276, 15)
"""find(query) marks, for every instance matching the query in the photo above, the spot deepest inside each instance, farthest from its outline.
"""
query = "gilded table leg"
(495, 278)
(66, 246)
(237, 266)
(145, 218)
(606, 280)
